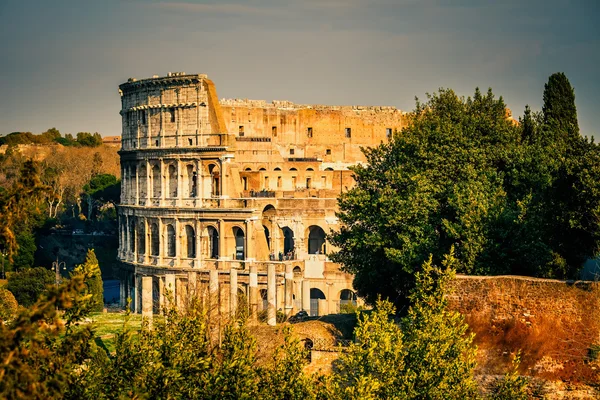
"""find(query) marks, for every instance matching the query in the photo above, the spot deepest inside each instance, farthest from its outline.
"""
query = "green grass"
(107, 325)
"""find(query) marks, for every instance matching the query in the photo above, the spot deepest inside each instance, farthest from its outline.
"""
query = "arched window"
(132, 178)
(347, 297)
(190, 239)
(297, 272)
(172, 181)
(288, 240)
(240, 243)
(309, 169)
(293, 169)
(315, 296)
(316, 240)
(170, 241)
(277, 169)
(141, 238)
(248, 169)
(262, 169)
(131, 236)
(192, 180)
(214, 180)
(154, 240)
(156, 181)
(328, 169)
(268, 237)
(143, 182)
(213, 242)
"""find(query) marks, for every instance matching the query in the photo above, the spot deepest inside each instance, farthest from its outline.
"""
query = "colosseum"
(234, 198)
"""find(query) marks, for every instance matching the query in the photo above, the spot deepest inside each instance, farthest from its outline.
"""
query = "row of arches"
(291, 169)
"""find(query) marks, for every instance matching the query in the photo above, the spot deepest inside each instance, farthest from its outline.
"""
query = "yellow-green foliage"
(8, 304)
(93, 279)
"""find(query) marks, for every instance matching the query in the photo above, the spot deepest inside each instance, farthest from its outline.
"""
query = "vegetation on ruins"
(428, 354)
(511, 198)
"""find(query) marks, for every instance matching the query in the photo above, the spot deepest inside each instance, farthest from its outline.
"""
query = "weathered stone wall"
(506, 297)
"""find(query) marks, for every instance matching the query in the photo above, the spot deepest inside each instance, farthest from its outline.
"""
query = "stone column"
(249, 253)
(222, 254)
(253, 292)
(148, 182)
(289, 290)
(178, 238)
(127, 234)
(161, 241)
(138, 293)
(170, 291)
(147, 241)
(233, 295)
(213, 294)
(137, 184)
(179, 176)
(198, 231)
(306, 296)
(271, 295)
(122, 293)
(147, 298)
(163, 182)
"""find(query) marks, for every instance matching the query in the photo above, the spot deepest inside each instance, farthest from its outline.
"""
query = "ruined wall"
(506, 297)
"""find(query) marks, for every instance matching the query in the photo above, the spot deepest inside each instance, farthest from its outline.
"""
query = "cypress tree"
(559, 105)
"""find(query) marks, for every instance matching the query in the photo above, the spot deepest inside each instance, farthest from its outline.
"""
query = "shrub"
(27, 285)
(8, 304)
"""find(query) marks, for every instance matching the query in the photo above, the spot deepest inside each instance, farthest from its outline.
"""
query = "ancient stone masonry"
(233, 199)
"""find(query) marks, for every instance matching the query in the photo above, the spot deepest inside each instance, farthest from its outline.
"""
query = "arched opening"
(170, 241)
(190, 239)
(288, 240)
(297, 272)
(248, 169)
(131, 236)
(214, 180)
(156, 192)
(267, 237)
(347, 301)
(213, 242)
(143, 179)
(315, 296)
(154, 240)
(277, 169)
(293, 169)
(245, 183)
(132, 179)
(141, 238)
(172, 181)
(309, 169)
(316, 240)
(329, 169)
(240, 243)
(191, 180)
(262, 169)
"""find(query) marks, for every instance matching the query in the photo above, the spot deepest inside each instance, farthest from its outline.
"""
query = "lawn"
(107, 325)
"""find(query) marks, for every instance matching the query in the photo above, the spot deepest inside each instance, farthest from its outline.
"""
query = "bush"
(8, 304)
(27, 285)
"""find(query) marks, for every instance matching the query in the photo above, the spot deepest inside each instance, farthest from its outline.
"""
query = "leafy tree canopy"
(29, 284)
(90, 269)
(511, 198)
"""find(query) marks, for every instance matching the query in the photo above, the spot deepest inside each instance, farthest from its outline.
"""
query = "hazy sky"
(61, 61)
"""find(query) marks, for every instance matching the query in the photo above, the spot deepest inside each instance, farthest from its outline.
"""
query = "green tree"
(8, 304)
(26, 251)
(427, 355)
(29, 284)
(511, 386)
(91, 270)
(559, 108)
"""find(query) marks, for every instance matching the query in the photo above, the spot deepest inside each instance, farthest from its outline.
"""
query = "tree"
(427, 355)
(8, 304)
(559, 105)
(93, 280)
(29, 284)
(437, 184)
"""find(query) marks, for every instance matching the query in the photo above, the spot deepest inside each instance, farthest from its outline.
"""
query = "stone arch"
(192, 180)
(347, 300)
(277, 169)
(328, 169)
(156, 183)
(316, 240)
(172, 181)
(297, 271)
(171, 238)
(269, 211)
(288, 240)
(143, 182)
(141, 238)
(262, 169)
(190, 241)
(315, 296)
(248, 169)
(309, 169)
(213, 242)
(154, 239)
(215, 176)
(240, 243)
(293, 169)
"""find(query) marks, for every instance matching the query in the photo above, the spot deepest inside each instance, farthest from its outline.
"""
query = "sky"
(61, 61)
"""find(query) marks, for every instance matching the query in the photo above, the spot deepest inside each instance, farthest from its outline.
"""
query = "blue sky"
(63, 60)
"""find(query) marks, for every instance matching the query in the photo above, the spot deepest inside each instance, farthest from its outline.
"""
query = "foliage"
(29, 284)
(26, 251)
(35, 361)
(8, 304)
(52, 135)
(512, 386)
(559, 105)
(428, 355)
(91, 270)
(511, 198)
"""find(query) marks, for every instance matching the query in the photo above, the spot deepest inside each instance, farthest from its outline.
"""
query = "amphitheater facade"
(233, 199)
